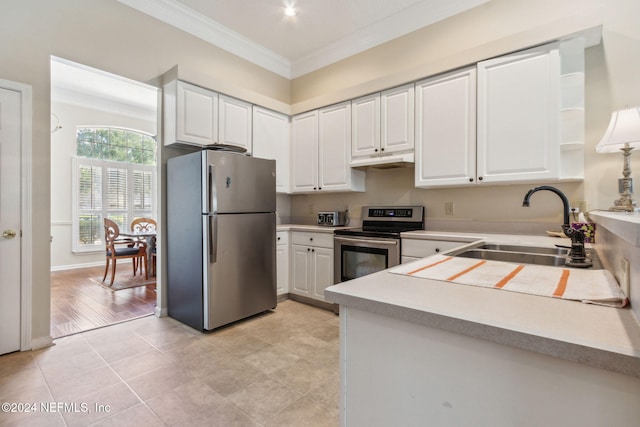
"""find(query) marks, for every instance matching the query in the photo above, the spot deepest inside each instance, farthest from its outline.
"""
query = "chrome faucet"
(577, 255)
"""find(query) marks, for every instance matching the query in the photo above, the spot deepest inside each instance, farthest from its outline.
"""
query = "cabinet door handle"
(308, 249)
(376, 150)
(311, 239)
(313, 250)
(479, 178)
(470, 179)
(382, 149)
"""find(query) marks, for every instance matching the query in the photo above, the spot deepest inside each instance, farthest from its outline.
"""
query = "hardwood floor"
(79, 304)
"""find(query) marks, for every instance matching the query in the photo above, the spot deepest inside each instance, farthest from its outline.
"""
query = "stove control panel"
(387, 213)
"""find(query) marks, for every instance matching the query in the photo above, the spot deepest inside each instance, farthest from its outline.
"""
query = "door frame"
(26, 247)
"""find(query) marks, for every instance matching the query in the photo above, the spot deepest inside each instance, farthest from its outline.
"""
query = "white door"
(518, 113)
(334, 147)
(323, 271)
(197, 115)
(301, 270)
(271, 141)
(304, 152)
(234, 122)
(365, 126)
(446, 130)
(10, 201)
(397, 119)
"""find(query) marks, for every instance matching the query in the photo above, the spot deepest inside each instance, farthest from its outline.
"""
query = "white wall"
(63, 147)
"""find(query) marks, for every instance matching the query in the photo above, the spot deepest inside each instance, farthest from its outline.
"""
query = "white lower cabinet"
(311, 264)
(282, 262)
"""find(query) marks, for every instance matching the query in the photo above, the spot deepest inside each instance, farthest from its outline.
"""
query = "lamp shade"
(624, 128)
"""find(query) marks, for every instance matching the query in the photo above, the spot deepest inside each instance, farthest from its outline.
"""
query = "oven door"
(358, 256)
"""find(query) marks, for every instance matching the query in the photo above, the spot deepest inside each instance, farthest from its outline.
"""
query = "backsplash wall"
(479, 208)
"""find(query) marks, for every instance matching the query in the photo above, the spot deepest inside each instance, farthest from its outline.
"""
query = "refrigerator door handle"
(213, 239)
(211, 185)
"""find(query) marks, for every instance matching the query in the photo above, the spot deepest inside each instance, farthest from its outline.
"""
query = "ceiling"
(322, 32)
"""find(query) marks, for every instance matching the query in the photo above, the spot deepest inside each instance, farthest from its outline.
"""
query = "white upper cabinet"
(518, 116)
(321, 151)
(446, 129)
(190, 114)
(304, 152)
(365, 126)
(397, 116)
(334, 142)
(235, 122)
(382, 127)
(271, 141)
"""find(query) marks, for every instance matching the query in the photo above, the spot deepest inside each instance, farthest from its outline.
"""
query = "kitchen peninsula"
(424, 352)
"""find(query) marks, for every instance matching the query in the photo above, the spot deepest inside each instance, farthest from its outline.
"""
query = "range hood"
(390, 161)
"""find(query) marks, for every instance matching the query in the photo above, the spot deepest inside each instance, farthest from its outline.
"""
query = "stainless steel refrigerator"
(221, 229)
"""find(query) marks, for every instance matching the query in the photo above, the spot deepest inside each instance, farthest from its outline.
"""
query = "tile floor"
(276, 369)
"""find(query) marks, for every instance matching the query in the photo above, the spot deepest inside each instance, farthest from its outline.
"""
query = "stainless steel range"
(376, 246)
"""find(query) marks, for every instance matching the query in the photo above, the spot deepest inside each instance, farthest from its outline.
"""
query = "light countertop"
(311, 228)
(598, 336)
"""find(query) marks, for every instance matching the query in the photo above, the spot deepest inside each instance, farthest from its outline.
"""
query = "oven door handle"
(375, 242)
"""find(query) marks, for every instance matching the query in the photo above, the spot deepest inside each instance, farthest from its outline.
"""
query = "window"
(114, 176)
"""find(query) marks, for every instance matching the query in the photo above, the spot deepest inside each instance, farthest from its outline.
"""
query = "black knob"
(314, 188)
(382, 149)
(479, 178)
(376, 150)
(437, 250)
(308, 249)
(278, 238)
(313, 250)
(319, 188)
(470, 179)
(311, 239)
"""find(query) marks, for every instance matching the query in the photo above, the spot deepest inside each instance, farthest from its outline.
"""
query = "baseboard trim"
(41, 342)
(161, 312)
(310, 301)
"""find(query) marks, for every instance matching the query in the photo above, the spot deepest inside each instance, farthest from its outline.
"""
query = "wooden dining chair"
(135, 250)
(145, 225)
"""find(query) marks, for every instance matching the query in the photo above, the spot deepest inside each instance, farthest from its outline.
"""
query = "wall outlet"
(624, 276)
(578, 206)
(448, 208)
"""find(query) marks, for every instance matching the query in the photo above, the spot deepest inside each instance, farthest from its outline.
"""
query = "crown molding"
(411, 19)
(419, 15)
(196, 24)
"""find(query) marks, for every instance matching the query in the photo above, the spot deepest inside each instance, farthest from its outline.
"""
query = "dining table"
(149, 236)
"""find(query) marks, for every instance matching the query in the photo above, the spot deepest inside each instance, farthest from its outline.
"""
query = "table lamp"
(623, 134)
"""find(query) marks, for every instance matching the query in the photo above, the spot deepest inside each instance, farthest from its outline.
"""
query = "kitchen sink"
(535, 255)
(525, 249)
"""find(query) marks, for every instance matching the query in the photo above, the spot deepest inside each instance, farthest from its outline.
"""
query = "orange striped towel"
(586, 285)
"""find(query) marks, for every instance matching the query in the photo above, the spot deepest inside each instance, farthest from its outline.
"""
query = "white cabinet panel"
(446, 130)
(323, 264)
(397, 119)
(311, 264)
(271, 141)
(335, 147)
(321, 151)
(518, 111)
(301, 270)
(235, 122)
(190, 114)
(282, 262)
(365, 118)
(304, 149)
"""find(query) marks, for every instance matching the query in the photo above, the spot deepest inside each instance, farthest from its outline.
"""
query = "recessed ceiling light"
(290, 11)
